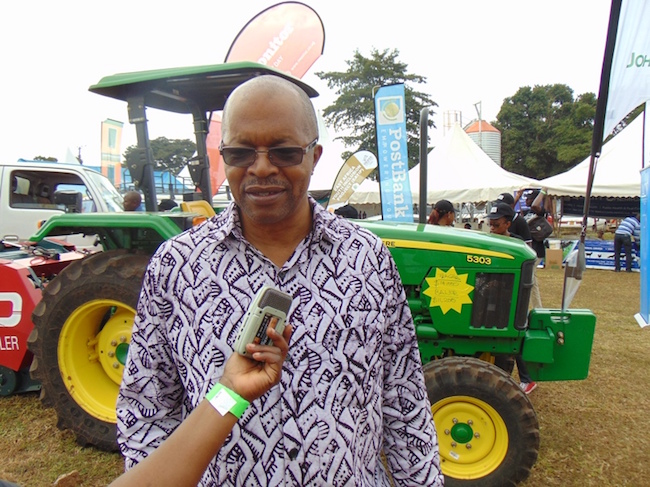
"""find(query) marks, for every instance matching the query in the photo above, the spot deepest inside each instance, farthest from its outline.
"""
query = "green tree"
(353, 111)
(544, 130)
(43, 158)
(169, 154)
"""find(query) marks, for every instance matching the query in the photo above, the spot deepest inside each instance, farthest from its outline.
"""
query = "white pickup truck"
(33, 191)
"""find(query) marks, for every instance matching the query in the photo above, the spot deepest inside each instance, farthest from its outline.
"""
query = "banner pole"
(424, 137)
(599, 119)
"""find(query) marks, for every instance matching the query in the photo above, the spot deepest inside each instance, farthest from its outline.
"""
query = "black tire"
(477, 404)
(82, 328)
(505, 363)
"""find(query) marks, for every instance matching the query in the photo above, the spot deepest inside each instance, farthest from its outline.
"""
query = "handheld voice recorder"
(268, 304)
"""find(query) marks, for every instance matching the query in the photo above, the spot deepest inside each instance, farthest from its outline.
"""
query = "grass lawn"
(592, 431)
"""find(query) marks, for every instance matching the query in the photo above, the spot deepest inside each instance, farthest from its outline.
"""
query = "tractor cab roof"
(186, 89)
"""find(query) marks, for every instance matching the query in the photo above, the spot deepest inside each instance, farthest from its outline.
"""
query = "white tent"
(458, 170)
(617, 171)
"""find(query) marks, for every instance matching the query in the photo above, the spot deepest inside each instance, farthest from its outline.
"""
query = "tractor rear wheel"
(81, 336)
(487, 428)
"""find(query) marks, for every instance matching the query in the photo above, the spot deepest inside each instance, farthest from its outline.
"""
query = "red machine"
(25, 270)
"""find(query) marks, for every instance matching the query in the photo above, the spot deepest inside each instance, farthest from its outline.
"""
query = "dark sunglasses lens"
(286, 156)
(238, 156)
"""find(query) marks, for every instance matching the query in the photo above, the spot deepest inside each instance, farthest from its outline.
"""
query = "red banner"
(288, 36)
(212, 141)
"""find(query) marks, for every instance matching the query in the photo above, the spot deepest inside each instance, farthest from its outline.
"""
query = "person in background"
(443, 214)
(518, 225)
(347, 211)
(500, 217)
(167, 204)
(536, 201)
(500, 220)
(132, 201)
(351, 407)
(629, 229)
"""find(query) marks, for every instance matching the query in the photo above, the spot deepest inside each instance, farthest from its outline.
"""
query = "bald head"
(132, 201)
(269, 88)
(270, 112)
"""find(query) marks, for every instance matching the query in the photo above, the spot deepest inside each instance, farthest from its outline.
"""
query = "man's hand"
(252, 378)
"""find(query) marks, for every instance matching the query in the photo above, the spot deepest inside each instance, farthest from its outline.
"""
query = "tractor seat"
(201, 207)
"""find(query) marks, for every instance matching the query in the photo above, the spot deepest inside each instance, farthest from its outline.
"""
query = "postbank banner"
(350, 176)
(629, 81)
(392, 154)
(288, 36)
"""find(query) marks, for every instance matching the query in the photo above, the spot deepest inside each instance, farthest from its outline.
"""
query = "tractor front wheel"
(81, 336)
(487, 428)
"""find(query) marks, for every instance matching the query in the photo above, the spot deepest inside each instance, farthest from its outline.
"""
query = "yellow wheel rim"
(92, 352)
(472, 435)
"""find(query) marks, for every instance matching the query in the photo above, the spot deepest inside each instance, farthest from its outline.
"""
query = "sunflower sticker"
(448, 290)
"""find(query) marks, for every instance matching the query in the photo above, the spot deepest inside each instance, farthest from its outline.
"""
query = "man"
(132, 201)
(500, 217)
(628, 229)
(352, 385)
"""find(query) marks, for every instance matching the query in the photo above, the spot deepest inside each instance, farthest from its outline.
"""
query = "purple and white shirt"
(352, 384)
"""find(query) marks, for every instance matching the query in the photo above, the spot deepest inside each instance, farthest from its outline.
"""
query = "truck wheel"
(487, 428)
(80, 340)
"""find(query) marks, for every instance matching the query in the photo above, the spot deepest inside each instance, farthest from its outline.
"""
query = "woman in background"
(443, 214)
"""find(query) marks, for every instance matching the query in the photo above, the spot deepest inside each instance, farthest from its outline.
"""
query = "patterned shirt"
(352, 384)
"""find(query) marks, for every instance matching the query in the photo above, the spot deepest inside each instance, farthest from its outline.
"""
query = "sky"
(470, 51)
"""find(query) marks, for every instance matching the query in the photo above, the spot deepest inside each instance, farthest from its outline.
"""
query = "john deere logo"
(639, 61)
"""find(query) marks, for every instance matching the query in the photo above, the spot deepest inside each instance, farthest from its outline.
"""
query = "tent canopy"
(617, 171)
(459, 171)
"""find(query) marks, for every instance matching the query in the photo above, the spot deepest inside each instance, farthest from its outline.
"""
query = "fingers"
(276, 353)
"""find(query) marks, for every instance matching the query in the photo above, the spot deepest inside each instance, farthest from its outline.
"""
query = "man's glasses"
(278, 156)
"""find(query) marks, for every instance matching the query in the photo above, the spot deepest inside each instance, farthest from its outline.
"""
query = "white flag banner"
(629, 82)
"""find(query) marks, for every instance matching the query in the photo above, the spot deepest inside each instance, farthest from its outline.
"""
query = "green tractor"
(468, 291)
